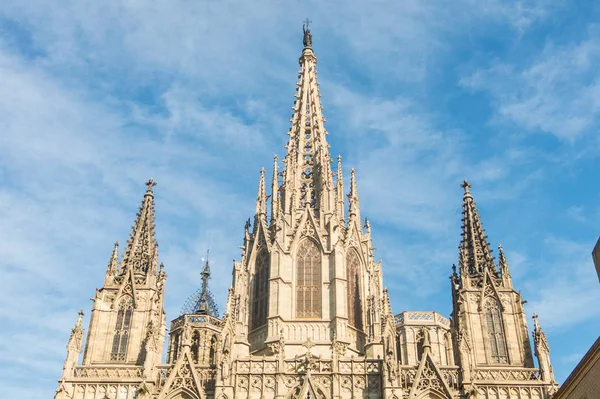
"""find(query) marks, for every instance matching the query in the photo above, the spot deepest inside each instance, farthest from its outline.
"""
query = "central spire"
(307, 177)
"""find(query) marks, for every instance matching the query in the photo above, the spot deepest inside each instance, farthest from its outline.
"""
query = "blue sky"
(98, 96)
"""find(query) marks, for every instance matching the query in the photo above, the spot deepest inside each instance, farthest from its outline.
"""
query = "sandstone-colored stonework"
(307, 314)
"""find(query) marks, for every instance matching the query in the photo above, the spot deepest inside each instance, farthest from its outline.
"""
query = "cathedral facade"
(307, 314)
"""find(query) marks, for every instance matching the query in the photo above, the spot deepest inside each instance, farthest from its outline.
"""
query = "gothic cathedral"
(307, 314)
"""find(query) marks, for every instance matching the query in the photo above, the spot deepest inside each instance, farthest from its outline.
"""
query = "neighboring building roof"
(590, 363)
(596, 257)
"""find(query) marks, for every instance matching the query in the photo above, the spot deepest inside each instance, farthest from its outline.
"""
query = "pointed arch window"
(308, 280)
(355, 318)
(495, 330)
(122, 329)
(260, 298)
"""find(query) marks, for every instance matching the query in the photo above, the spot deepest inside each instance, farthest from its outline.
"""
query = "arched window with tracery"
(308, 280)
(495, 329)
(260, 299)
(354, 291)
(122, 326)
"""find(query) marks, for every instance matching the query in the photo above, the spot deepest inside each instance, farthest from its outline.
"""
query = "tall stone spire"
(307, 176)
(140, 254)
(475, 253)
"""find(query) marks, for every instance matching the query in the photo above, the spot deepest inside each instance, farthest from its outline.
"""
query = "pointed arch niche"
(355, 318)
(495, 331)
(308, 280)
(122, 328)
(260, 286)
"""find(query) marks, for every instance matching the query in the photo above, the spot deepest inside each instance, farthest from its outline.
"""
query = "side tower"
(307, 286)
(194, 348)
(126, 332)
(489, 323)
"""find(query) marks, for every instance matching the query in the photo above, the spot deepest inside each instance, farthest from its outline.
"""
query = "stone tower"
(489, 322)
(307, 315)
(127, 325)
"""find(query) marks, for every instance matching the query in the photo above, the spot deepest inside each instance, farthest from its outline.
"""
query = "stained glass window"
(354, 291)
(260, 299)
(122, 327)
(308, 280)
(495, 330)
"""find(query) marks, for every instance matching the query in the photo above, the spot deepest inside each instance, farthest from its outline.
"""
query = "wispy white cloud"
(98, 97)
(555, 92)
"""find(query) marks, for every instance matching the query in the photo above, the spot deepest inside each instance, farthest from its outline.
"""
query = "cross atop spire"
(466, 187)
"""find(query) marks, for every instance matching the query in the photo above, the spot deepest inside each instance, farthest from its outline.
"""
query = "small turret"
(542, 351)
(202, 302)
(74, 346)
(113, 264)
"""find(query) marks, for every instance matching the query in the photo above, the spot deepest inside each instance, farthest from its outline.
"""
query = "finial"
(536, 323)
(150, 183)
(80, 313)
(466, 186)
(307, 40)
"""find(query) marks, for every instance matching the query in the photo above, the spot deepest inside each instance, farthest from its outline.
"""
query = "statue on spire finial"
(307, 40)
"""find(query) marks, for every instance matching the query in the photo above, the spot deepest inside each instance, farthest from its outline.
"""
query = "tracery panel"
(308, 280)
(260, 298)
(495, 330)
(355, 318)
(121, 332)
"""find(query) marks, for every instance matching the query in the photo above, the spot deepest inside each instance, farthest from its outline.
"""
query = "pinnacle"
(150, 183)
(141, 247)
(475, 253)
(466, 187)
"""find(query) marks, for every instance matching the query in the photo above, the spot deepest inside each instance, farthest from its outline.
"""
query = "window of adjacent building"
(260, 299)
(122, 327)
(354, 291)
(308, 280)
(495, 330)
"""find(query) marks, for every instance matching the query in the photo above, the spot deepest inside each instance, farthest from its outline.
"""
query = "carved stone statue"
(307, 40)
